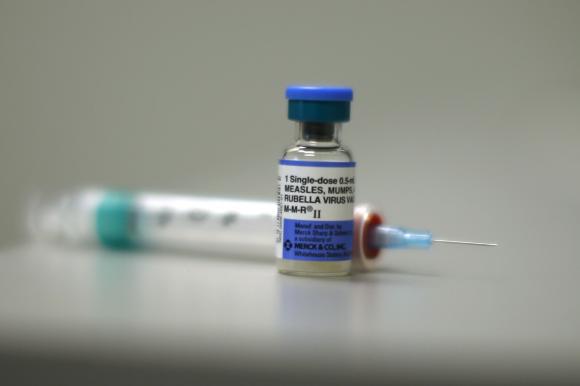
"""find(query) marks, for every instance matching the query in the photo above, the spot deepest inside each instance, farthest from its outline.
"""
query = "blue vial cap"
(327, 104)
(319, 93)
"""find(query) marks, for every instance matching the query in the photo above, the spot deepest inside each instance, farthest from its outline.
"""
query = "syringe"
(216, 225)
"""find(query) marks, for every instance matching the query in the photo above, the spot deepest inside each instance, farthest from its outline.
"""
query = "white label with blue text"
(315, 210)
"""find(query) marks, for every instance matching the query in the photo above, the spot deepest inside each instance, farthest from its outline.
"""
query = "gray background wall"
(463, 110)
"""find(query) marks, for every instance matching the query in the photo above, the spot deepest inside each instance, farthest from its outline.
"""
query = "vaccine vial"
(316, 186)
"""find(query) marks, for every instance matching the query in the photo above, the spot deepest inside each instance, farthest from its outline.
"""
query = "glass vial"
(316, 186)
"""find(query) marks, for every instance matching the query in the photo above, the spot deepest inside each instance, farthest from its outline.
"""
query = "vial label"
(315, 210)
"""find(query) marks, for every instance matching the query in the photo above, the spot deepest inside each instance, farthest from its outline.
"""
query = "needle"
(465, 242)
(397, 237)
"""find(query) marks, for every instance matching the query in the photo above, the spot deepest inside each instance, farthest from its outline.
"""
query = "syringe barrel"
(207, 224)
(125, 220)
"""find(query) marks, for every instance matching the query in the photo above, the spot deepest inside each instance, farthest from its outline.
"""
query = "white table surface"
(453, 313)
